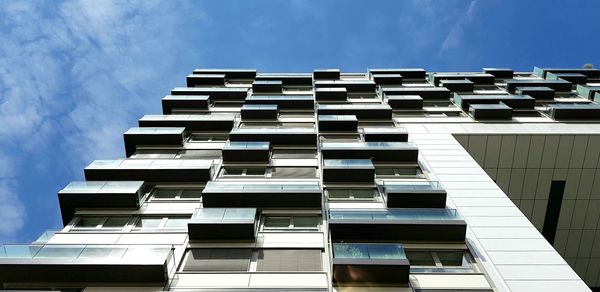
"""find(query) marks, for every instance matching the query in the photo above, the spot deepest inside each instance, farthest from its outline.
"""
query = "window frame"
(291, 226)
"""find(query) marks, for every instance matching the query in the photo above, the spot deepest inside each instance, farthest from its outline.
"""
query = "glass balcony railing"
(217, 215)
(45, 237)
(218, 186)
(369, 145)
(413, 186)
(348, 163)
(246, 146)
(408, 214)
(85, 253)
(368, 251)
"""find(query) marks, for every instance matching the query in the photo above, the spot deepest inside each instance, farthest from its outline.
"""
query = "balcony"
(543, 72)
(269, 86)
(539, 93)
(338, 123)
(123, 195)
(159, 170)
(259, 111)
(279, 194)
(428, 93)
(563, 111)
(81, 265)
(246, 151)
(223, 224)
(229, 73)
(557, 85)
(215, 93)
(326, 74)
(575, 78)
(504, 73)
(387, 79)
(476, 78)
(410, 224)
(284, 101)
(402, 102)
(407, 73)
(401, 152)
(288, 79)
(415, 194)
(331, 94)
(348, 170)
(350, 85)
(370, 264)
(189, 122)
(184, 102)
(385, 135)
(491, 111)
(193, 80)
(587, 91)
(164, 136)
(361, 111)
(511, 100)
(275, 136)
(458, 84)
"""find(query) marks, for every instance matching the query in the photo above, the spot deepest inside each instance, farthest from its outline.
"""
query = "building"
(390, 180)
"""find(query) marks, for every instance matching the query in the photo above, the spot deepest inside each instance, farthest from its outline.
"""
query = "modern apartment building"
(389, 180)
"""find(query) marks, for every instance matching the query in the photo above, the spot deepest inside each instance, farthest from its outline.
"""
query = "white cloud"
(457, 32)
(77, 74)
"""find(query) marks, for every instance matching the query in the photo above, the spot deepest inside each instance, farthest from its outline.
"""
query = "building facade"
(389, 180)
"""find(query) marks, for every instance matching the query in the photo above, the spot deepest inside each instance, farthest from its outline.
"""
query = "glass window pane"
(191, 194)
(363, 193)
(384, 171)
(165, 193)
(350, 251)
(218, 260)
(289, 260)
(149, 222)
(306, 222)
(233, 171)
(115, 222)
(338, 194)
(420, 258)
(451, 258)
(277, 222)
(89, 222)
(256, 171)
(177, 222)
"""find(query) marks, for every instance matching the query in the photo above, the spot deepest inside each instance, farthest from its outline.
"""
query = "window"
(244, 260)
(294, 153)
(176, 194)
(244, 171)
(445, 261)
(355, 194)
(172, 222)
(293, 172)
(209, 138)
(218, 260)
(274, 222)
(288, 260)
(394, 171)
(101, 223)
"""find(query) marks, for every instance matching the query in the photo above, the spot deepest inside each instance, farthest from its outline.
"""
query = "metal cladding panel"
(513, 101)
(205, 79)
(284, 102)
(424, 92)
(416, 199)
(575, 78)
(264, 114)
(349, 175)
(420, 230)
(405, 101)
(543, 72)
(185, 102)
(407, 73)
(288, 79)
(491, 111)
(405, 155)
(504, 73)
(209, 124)
(341, 125)
(387, 79)
(274, 137)
(221, 231)
(371, 272)
(248, 155)
(378, 136)
(557, 85)
(539, 93)
(229, 73)
(326, 74)
(575, 112)
(351, 86)
(133, 140)
(331, 94)
(267, 86)
(477, 78)
(69, 202)
(458, 85)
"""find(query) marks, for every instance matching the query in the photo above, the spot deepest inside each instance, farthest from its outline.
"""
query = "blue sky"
(74, 75)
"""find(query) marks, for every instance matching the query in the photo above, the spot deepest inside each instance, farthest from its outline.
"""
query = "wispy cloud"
(457, 33)
(73, 77)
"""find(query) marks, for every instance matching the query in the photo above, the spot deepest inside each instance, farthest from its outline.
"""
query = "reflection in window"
(177, 194)
(291, 222)
(105, 222)
(357, 194)
(171, 222)
(444, 261)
